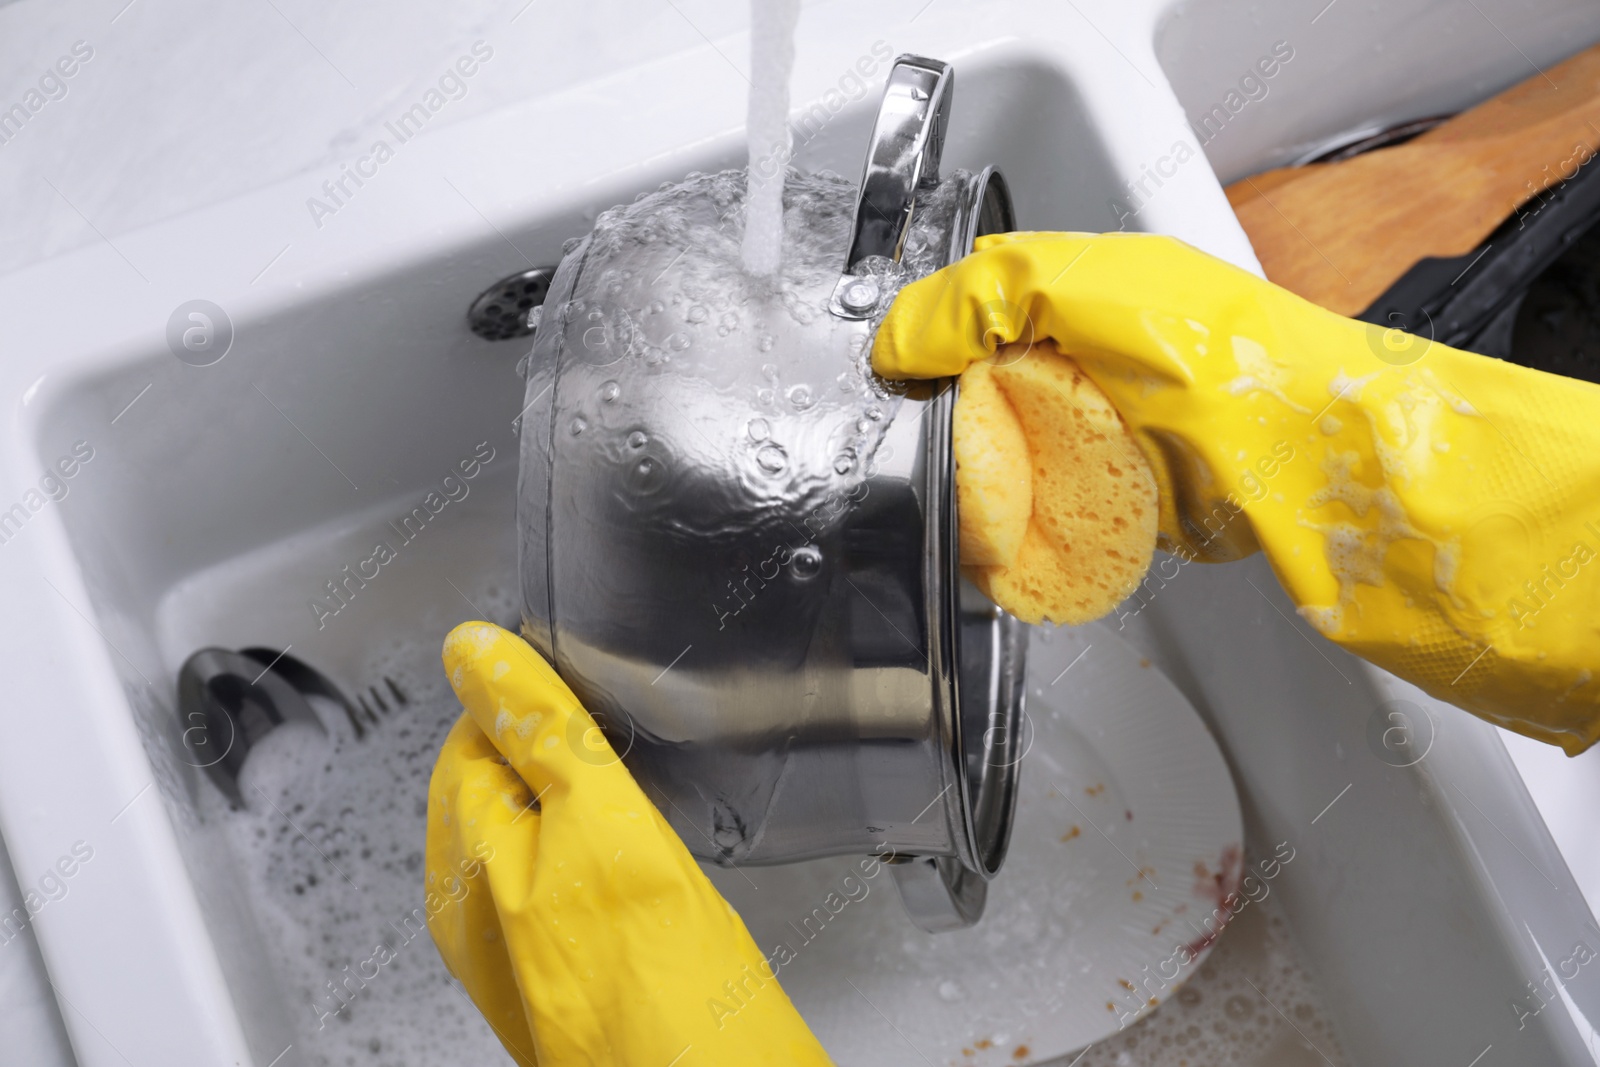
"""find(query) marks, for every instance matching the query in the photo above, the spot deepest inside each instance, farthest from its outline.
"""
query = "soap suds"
(1446, 563)
(1222, 1015)
(1458, 403)
(1259, 373)
(1247, 384)
(1344, 387)
(340, 905)
(1355, 553)
(1326, 619)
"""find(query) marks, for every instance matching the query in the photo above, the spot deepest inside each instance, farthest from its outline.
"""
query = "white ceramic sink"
(219, 500)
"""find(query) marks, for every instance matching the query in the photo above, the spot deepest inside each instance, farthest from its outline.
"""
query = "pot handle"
(902, 158)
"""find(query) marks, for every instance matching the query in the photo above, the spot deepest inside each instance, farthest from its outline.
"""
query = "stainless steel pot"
(739, 546)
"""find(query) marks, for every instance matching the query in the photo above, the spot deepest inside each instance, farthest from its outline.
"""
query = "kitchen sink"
(331, 398)
(1354, 70)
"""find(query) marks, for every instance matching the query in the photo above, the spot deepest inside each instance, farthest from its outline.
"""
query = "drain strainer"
(501, 311)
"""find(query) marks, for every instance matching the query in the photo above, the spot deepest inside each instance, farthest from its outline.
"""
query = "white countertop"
(185, 103)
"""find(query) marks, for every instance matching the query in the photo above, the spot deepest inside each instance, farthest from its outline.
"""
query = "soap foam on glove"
(1430, 510)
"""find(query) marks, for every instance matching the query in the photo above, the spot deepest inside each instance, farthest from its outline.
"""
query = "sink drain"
(501, 311)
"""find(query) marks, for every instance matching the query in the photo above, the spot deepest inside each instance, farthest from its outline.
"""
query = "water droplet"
(728, 320)
(579, 424)
(647, 475)
(535, 317)
(765, 397)
(847, 382)
(875, 413)
(657, 307)
(522, 365)
(697, 313)
(769, 371)
(637, 439)
(764, 342)
(1237, 1007)
(772, 458)
(844, 462)
(569, 244)
(863, 426)
(610, 391)
(806, 562)
(800, 397)
(678, 341)
(759, 430)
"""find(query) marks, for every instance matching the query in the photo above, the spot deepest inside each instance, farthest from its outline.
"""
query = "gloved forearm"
(1432, 510)
(580, 925)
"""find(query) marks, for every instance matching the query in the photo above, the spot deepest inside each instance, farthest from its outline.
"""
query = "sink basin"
(230, 504)
(1351, 70)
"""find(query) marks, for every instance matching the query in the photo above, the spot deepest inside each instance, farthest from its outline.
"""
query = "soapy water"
(330, 849)
(332, 869)
(772, 24)
(1250, 1004)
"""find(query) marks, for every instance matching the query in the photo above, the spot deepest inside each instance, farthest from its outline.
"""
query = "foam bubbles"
(1251, 1004)
(331, 867)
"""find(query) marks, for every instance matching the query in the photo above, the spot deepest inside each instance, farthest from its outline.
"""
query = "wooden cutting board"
(1340, 234)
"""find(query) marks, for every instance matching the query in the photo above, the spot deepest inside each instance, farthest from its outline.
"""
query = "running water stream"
(772, 24)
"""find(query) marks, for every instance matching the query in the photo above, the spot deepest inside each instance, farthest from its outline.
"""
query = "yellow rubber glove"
(1434, 511)
(563, 901)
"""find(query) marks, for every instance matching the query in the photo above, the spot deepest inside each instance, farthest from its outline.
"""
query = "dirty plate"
(1127, 839)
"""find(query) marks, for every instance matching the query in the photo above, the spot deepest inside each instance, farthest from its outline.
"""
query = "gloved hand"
(1434, 511)
(563, 901)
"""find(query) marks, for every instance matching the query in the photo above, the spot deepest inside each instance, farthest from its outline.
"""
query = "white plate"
(1127, 837)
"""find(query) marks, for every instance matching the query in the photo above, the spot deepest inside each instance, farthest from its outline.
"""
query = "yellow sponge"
(1092, 499)
(994, 478)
